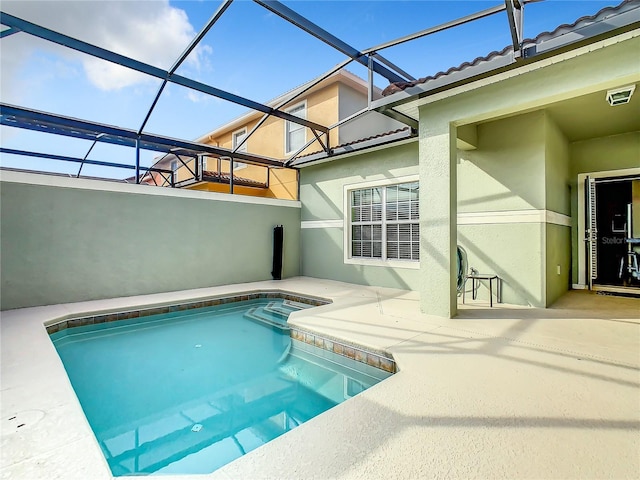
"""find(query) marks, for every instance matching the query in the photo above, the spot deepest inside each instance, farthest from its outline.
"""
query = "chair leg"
(464, 290)
(491, 292)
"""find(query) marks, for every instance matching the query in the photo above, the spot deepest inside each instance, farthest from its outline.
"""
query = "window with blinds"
(385, 222)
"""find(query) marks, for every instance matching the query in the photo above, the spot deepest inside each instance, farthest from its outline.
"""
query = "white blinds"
(384, 222)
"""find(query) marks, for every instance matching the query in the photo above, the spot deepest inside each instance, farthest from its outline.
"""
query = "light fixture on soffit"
(620, 96)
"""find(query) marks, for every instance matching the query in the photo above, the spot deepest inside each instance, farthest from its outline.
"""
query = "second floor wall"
(277, 138)
(333, 100)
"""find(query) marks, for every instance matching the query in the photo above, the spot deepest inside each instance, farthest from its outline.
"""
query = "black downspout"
(278, 237)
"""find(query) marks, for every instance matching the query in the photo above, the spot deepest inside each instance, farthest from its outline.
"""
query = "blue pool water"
(189, 392)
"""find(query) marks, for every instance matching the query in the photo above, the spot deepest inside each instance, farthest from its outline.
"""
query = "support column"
(138, 160)
(438, 217)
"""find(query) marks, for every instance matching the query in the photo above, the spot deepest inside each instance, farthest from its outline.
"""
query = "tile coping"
(377, 359)
(110, 315)
(368, 356)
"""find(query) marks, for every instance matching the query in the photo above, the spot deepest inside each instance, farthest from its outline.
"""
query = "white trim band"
(321, 224)
(556, 218)
(476, 218)
(514, 216)
(110, 186)
(389, 263)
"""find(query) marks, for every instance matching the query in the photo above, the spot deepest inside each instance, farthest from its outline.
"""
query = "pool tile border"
(380, 360)
(78, 321)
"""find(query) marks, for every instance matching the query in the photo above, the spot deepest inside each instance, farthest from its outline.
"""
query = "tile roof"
(360, 140)
(224, 177)
(527, 43)
(372, 137)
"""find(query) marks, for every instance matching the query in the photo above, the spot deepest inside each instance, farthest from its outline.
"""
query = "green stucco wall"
(438, 215)
(506, 172)
(556, 169)
(321, 194)
(73, 244)
(511, 251)
(512, 194)
(557, 256)
(558, 199)
(606, 153)
(321, 186)
(513, 168)
(322, 257)
(616, 152)
(515, 172)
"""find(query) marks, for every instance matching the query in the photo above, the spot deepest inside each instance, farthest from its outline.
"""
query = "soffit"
(591, 116)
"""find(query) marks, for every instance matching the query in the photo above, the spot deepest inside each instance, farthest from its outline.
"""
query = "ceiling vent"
(620, 96)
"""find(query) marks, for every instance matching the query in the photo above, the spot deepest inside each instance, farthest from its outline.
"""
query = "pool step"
(295, 305)
(275, 313)
(280, 309)
(259, 314)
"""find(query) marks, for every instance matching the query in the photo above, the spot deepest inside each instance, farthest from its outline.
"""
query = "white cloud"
(150, 31)
(196, 97)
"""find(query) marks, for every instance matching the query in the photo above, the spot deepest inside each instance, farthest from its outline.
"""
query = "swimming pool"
(190, 391)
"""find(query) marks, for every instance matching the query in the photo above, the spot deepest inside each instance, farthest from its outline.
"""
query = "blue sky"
(250, 52)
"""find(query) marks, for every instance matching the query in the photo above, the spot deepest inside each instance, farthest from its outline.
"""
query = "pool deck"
(503, 392)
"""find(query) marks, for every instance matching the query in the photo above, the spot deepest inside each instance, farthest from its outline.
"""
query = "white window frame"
(243, 148)
(297, 126)
(234, 141)
(382, 262)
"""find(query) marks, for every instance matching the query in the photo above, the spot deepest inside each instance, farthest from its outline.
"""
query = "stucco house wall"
(507, 187)
(68, 240)
(323, 221)
(269, 139)
(505, 175)
(587, 71)
(557, 254)
(352, 101)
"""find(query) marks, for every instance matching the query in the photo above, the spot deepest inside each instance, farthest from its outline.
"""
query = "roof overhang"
(363, 146)
(607, 24)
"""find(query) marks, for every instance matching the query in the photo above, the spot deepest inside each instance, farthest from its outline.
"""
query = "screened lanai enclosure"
(180, 162)
(308, 152)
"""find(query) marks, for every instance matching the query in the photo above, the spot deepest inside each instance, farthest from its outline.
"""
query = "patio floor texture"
(503, 392)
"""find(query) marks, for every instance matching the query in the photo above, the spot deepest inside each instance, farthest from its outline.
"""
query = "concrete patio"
(503, 392)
